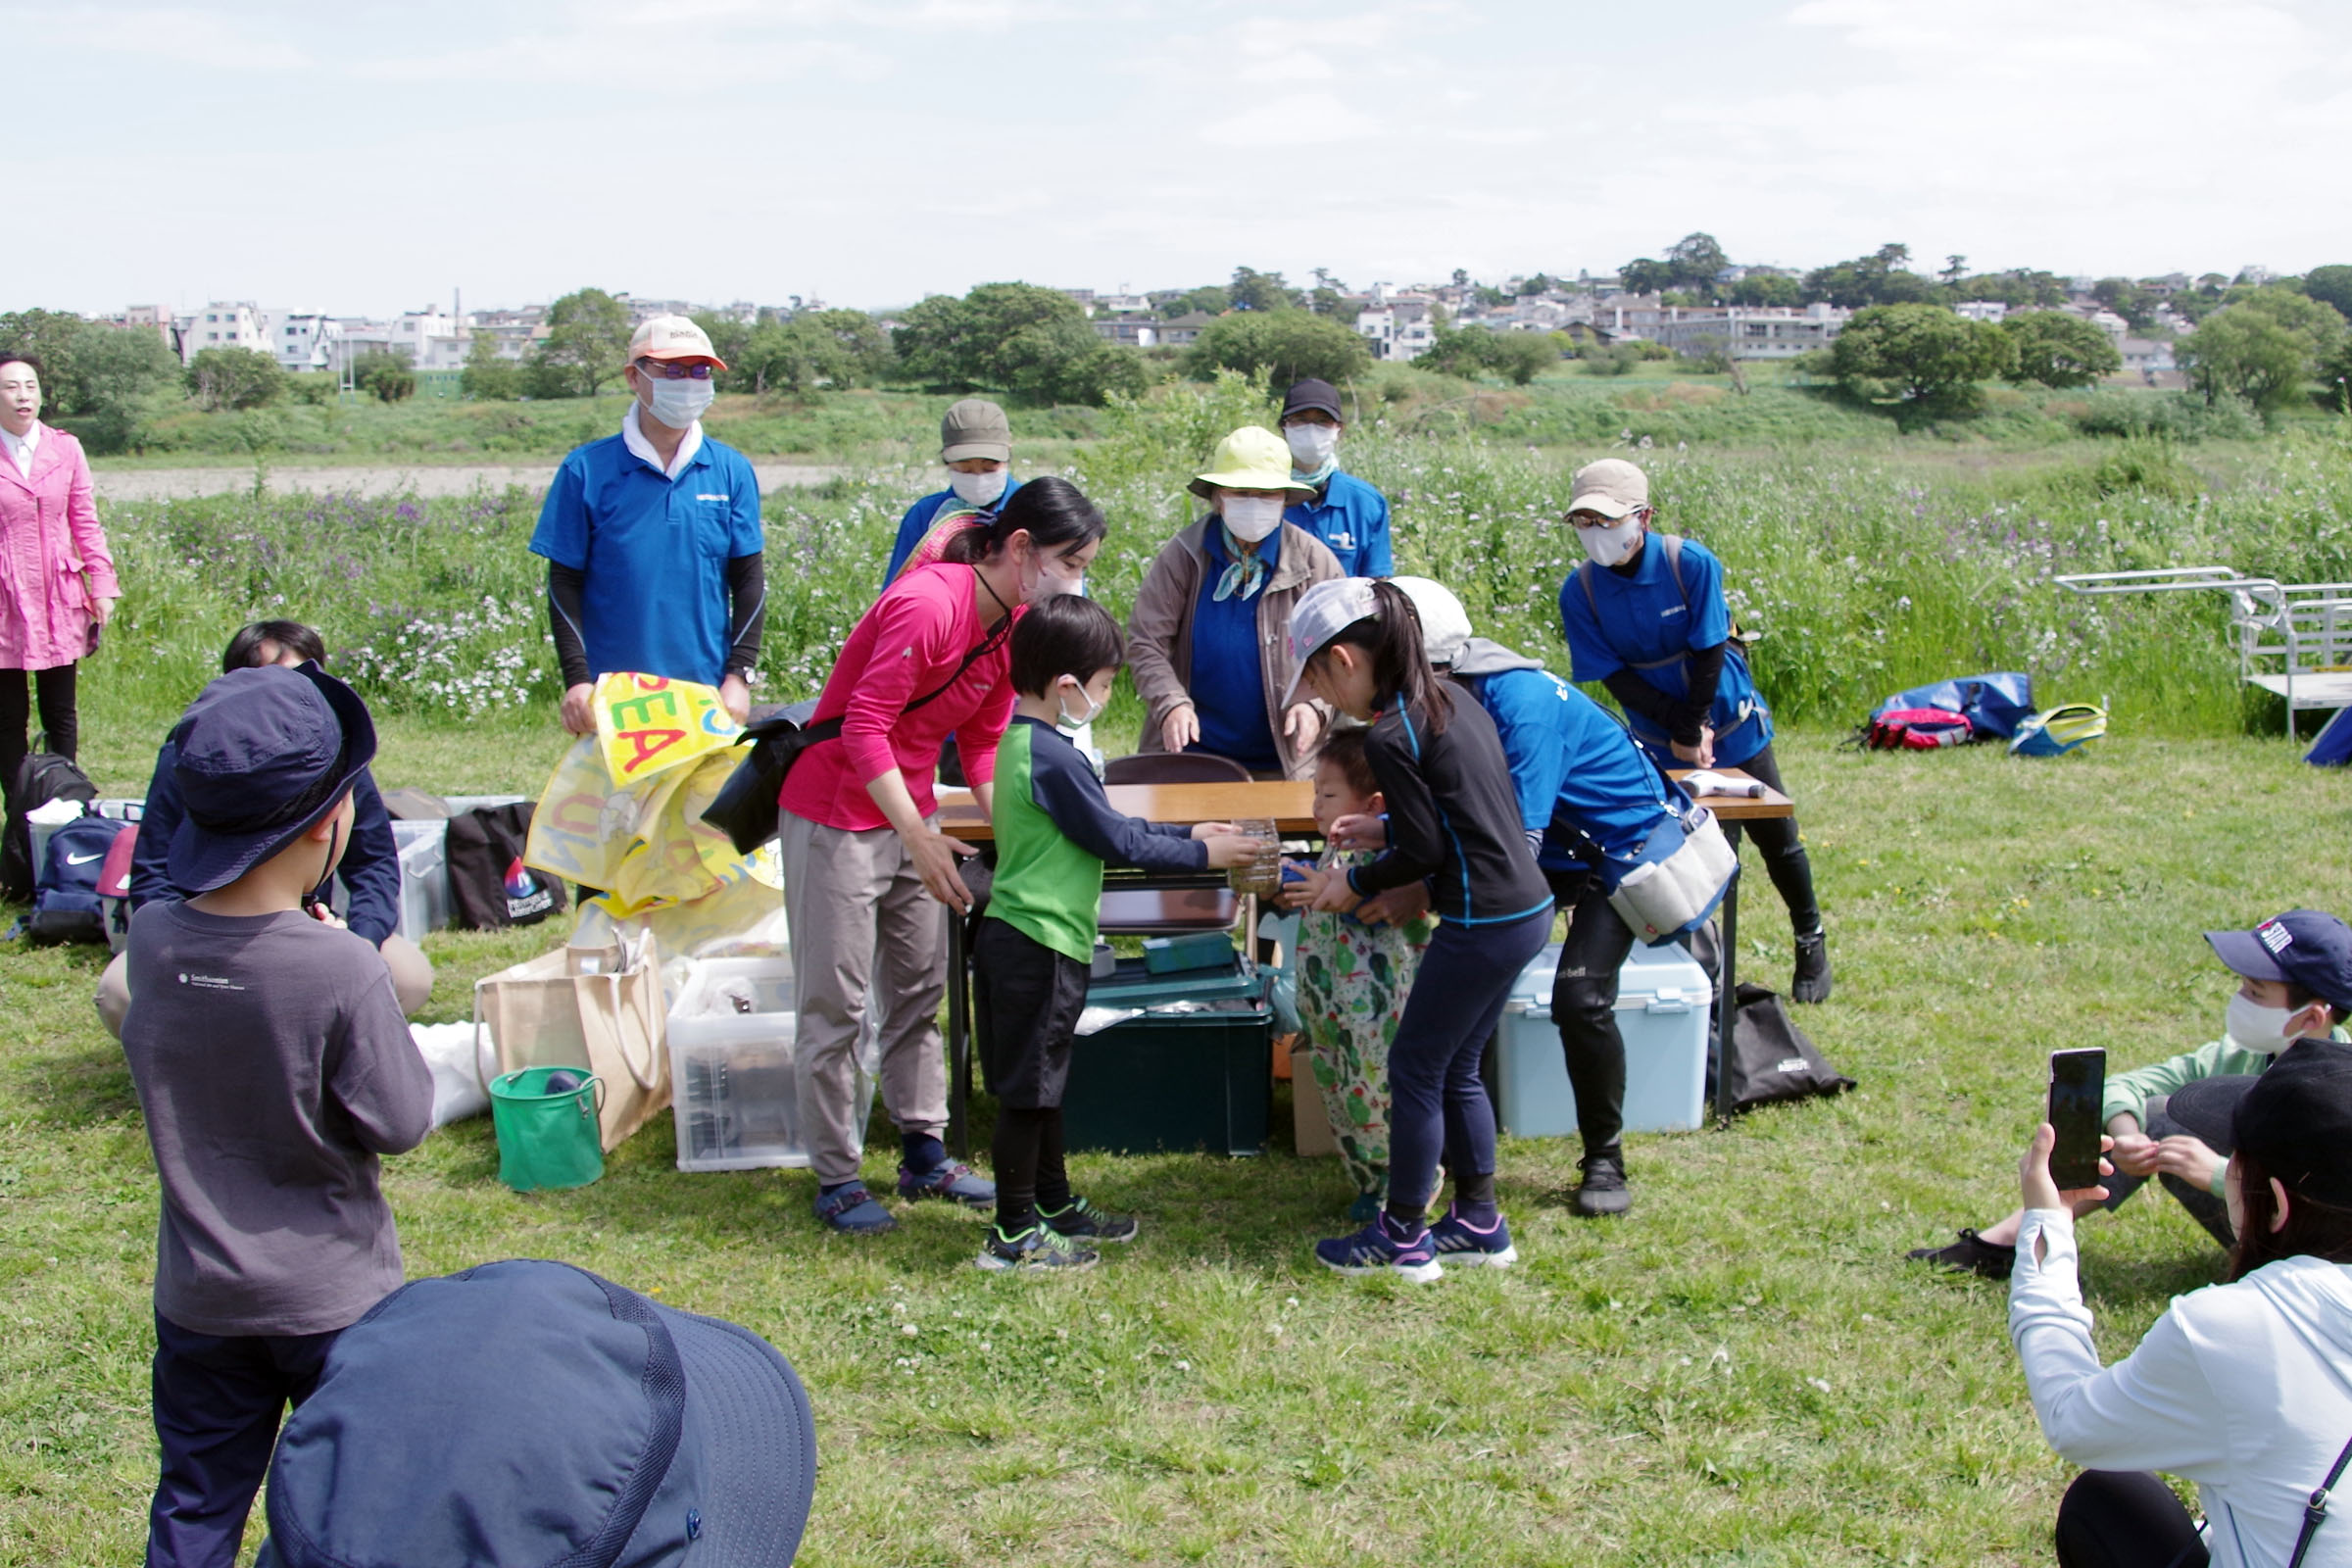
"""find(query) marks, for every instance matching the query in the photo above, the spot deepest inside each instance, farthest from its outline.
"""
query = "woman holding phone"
(2244, 1388)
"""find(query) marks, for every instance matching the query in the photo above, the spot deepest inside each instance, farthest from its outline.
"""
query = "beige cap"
(975, 429)
(1612, 487)
(1251, 457)
(673, 337)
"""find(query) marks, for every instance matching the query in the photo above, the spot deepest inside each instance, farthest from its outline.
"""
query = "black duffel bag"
(1770, 1057)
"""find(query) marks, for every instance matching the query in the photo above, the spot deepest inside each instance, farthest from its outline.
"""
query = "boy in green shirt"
(2294, 980)
(1034, 955)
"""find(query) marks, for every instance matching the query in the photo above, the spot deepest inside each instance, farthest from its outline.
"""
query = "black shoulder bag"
(745, 807)
(2315, 1510)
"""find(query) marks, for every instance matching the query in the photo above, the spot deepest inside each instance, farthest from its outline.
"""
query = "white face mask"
(1048, 582)
(1611, 545)
(1311, 445)
(2259, 1028)
(678, 403)
(1074, 721)
(979, 489)
(1251, 517)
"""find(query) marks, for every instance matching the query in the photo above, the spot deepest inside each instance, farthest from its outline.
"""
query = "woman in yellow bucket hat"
(1208, 641)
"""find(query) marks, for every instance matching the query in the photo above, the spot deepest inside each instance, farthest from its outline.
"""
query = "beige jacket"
(1160, 633)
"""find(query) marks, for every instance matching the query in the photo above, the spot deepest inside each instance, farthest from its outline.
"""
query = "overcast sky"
(370, 157)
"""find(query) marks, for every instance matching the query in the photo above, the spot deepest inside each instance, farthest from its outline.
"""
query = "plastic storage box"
(1188, 1074)
(423, 877)
(733, 1089)
(734, 1066)
(1662, 998)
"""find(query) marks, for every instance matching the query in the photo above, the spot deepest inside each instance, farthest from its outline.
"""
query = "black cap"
(531, 1412)
(2207, 1110)
(2295, 1121)
(1312, 394)
(2302, 946)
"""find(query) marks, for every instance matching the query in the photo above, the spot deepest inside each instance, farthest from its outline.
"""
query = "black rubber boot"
(1811, 982)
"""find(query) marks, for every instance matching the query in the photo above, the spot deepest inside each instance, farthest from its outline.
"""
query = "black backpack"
(42, 777)
(489, 886)
(65, 902)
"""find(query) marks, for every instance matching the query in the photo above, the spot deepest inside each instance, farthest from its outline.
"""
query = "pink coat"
(54, 563)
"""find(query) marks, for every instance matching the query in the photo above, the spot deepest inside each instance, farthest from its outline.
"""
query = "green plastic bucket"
(546, 1140)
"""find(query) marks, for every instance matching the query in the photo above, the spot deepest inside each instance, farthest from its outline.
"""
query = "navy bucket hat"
(532, 1412)
(260, 758)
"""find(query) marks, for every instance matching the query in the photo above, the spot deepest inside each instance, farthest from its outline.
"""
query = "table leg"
(959, 1040)
(1726, 1003)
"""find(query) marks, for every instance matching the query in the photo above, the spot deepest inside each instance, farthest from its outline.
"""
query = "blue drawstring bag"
(2058, 730)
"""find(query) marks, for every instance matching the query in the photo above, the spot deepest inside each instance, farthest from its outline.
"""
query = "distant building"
(515, 332)
(303, 340)
(223, 324)
(1743, 331)
(1183, 329)
(156, 319)
(1398, 329)
(431, 339)
(1126, 330)
(2147, 357)
(1982, 310)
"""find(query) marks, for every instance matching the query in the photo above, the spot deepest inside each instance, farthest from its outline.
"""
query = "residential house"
(1982, 309)
(1181, 330)
(1126, 330)
(431, 339)
(223, 324)
(1400, 329)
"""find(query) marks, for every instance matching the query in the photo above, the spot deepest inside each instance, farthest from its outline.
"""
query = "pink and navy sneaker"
(951, 1179)
(1457, 1240)
(1382, 1248)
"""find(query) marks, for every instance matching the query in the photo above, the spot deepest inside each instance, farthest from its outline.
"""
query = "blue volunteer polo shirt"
(1353, 518)
(1579, 779)
(917, 522)
(654, 551)
(1227, 680)
(1648, 622)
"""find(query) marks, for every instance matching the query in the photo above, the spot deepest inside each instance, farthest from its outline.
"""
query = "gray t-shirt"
(274, 1065)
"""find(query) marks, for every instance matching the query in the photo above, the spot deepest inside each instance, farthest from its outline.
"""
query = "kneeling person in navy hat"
(273, 1067)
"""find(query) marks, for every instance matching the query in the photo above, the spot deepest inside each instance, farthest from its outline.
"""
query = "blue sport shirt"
(917, 522)
(654, 552)
(1649, 624)
(1580, 780)
(1353, 518)
(1227, 681)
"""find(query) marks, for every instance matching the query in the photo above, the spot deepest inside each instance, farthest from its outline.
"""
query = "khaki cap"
(975, 429)
(1612, 487)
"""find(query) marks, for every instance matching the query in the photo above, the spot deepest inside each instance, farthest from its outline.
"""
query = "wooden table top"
(1290, 802)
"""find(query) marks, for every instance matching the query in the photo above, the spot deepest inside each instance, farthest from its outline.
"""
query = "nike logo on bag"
(84, 859)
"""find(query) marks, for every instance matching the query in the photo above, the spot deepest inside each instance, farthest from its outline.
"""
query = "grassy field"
(1745, 1371)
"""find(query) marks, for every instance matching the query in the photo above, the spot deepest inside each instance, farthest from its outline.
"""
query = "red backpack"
(1917, 729)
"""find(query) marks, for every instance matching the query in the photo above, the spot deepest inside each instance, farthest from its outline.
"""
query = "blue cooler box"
(1662, 998)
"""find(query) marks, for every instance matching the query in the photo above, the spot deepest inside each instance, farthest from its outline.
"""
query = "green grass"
(1639, 1392)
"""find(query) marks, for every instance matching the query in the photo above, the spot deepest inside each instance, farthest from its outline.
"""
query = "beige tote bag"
(585, 1007)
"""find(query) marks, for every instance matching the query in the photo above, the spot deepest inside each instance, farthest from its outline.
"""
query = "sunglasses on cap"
(671, 370)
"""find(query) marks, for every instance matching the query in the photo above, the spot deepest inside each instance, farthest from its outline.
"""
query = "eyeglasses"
(1594, 520)
(667, 371)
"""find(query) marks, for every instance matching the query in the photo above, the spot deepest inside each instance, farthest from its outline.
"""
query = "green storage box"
(1193, 1075)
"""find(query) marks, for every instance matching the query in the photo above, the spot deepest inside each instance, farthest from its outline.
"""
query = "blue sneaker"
(1377, 1249)
(1457, 1240)
(951, 1179)
(852, 1211)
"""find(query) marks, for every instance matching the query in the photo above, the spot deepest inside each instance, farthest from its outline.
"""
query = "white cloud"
(192, 36)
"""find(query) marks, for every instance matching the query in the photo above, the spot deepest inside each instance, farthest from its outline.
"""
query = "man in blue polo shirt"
(1348, 514)
(975, 442)
(651, 538)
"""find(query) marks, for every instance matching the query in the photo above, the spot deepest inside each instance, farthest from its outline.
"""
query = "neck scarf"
(1321, 476)
(1247, 573)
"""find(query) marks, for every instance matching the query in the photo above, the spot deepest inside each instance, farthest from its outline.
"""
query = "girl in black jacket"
(1453, 822)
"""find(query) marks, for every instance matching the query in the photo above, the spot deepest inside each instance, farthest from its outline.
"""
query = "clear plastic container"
(423, 877)
(734, 1090)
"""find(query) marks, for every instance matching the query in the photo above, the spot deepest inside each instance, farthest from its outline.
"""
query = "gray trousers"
(861, 916)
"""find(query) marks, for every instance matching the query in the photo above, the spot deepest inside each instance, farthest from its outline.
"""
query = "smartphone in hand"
(2078, 1084)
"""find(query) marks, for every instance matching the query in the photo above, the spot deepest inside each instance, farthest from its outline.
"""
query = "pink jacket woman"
(55, 569)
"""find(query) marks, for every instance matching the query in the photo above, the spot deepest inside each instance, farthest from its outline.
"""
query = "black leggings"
(1026, 1155)
(1784, 851)
(2125, 1519)
(60, 725)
